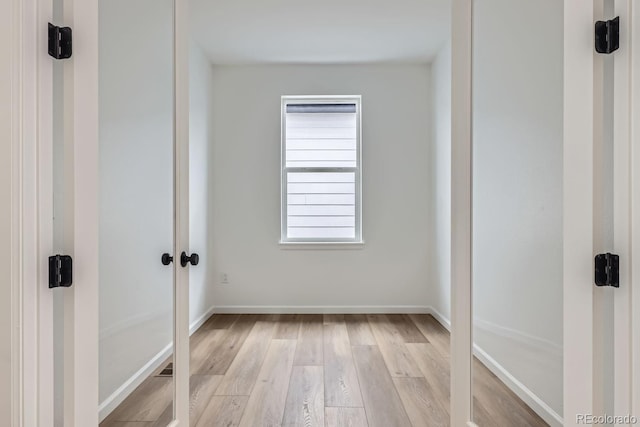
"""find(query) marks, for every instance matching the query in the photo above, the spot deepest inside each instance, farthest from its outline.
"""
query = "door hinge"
(608, 35)
(60, 42)
(607, 270)
(60, 271)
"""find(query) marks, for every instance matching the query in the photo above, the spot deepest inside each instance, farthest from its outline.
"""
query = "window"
(321, 194)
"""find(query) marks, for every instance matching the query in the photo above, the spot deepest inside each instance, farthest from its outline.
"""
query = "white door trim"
(43, 214)
(22, 389)
(578, 209)
(81, 216)
(622, 169)
(461, 231)
(600, 191)
(181, 206)
(32, 340)
(634, 140)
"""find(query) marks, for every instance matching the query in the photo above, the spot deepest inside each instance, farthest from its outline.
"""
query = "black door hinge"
(608, 35)
(60, 42)
(607, 270)
(60, 271)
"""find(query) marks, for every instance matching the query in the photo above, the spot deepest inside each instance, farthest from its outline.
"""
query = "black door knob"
(166, 259)
(194, 259)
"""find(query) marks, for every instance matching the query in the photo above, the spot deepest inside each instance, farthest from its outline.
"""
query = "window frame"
(357, 170)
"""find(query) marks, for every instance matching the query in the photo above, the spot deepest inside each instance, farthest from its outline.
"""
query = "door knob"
(166, 259)
(194, 259)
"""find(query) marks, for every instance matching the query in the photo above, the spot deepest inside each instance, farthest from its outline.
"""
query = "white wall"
(440, 289)
(5, 214)
(200, 200)
(392, 267)
(517, 195)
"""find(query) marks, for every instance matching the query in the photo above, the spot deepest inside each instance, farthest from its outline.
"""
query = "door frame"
(627, 210)
(81, 306)
(623, 129)
(32, 337)
(31, 196)
(634, 140)
(461, 406)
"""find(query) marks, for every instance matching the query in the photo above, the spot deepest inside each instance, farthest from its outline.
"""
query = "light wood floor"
(321, 370)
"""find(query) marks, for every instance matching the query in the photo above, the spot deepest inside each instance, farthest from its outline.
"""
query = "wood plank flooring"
(321, 370)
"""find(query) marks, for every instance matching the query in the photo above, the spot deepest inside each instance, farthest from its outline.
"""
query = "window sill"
(321, 245)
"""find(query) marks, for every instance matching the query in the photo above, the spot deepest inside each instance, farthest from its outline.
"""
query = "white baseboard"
(550, 416)
(440, 318)
(320, 309)
(118, 396)
(195, 325)
(545, 412)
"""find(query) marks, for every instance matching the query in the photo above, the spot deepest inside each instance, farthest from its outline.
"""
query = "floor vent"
(167, 371)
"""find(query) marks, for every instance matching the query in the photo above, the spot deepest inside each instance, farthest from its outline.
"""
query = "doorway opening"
(335, 332)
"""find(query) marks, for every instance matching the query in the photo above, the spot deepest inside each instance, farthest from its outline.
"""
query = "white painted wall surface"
(136, 187)
(440, 285)
(517, 199)
(392, 268)
(5, 214)
(200, 200)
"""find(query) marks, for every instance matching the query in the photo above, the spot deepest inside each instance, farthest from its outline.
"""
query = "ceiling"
(320, 31)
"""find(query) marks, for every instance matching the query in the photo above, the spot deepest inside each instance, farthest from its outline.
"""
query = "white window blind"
(321, 169)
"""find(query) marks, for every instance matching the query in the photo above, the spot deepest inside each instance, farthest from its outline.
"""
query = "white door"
(114, 162)
(542, 182)
(82, 193)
